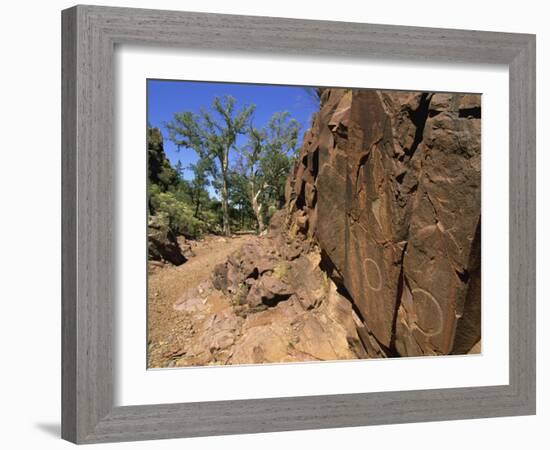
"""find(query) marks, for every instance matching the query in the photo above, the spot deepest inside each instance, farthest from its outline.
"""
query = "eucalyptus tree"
(239, 194)
(199, 183)
(267, 159)
(213, 135)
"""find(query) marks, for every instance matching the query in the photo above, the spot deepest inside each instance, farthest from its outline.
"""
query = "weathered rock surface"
(269, 302)
(185, 246)
(163, 245)
(388, 185)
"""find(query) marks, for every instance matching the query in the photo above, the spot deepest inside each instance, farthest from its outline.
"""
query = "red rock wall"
(388, 184)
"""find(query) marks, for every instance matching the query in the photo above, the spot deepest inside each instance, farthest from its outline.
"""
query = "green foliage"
(160, 171)
(176, 215)
(242, 216)
(198, 185)
(173, 201)
(266, 162)
(249, 188)
(212, 135)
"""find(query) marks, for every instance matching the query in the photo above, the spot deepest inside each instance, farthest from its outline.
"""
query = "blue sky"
(165, 97)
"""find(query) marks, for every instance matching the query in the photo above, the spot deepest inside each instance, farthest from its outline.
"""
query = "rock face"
(388, 185)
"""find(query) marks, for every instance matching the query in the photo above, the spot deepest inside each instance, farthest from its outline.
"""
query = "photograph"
(261, 225)
(298, 224)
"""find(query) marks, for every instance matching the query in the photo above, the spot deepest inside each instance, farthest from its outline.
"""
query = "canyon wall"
(388, 184)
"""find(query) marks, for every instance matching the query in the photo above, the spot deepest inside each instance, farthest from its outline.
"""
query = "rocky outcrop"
(388, 185)
(269, 302)
(162, 244)
(159, 170)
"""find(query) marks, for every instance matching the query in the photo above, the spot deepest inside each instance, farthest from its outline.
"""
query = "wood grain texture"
(89, 36)
(68, 225)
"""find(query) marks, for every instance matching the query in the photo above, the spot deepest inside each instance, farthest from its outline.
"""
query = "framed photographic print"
(267, 230)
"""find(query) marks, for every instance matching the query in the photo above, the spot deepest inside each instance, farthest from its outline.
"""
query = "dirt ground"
(168, 328)
(248, 300)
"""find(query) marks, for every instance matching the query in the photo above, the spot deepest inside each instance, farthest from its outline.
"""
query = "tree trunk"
(257, 207)
(225, 208)
(225, 199)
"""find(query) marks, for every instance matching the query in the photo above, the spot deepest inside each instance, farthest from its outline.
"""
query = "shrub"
(175, 214)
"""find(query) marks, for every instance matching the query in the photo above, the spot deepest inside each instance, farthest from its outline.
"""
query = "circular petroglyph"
(426, 302)
(373, 274)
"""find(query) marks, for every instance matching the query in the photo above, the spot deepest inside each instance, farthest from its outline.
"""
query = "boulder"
(268, 291)
(288, 332)
(185, 247)
(244, 266)
(307, 279)
(163, 245)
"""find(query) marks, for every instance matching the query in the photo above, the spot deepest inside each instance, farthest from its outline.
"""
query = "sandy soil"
(166, 327)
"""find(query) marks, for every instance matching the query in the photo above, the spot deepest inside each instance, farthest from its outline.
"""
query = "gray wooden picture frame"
(90, 34)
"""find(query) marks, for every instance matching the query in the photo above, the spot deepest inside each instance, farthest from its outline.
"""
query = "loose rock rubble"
(274, 304)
